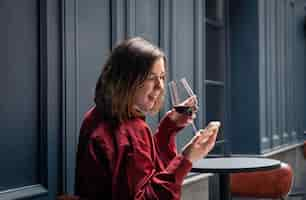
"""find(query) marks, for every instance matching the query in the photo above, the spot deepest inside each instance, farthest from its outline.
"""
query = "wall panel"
(29, 107)
(87, 41)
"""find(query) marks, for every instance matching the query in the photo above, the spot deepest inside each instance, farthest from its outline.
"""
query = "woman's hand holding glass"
(185, 119)
(185, 103)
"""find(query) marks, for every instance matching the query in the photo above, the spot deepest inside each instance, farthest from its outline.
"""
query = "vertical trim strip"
(172, 59)
(70, 93)
(43, 92)
(130, 11)
(264, 140)
(198, 58)
(117, 21)
(164, 37)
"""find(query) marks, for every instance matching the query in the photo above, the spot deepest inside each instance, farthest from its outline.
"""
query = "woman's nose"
(159, 83)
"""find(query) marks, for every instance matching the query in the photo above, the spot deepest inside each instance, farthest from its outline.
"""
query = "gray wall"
(30, 99)
(268, 75)
(53, 51)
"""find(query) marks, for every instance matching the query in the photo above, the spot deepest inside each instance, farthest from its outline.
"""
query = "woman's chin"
(146, 107)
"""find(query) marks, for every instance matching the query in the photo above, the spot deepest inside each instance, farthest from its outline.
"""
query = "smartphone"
(212, 126)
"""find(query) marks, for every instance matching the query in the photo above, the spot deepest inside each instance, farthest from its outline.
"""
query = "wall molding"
(24, 192)
(43, 90)
(118, 31)
(70, 91)
(46, 184)
(262, 68)
(172, 31)
(164, 42)
(130, 18)
(199, 57)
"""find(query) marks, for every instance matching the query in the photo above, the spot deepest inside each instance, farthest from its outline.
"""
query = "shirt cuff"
(167, 124)
(180, 166)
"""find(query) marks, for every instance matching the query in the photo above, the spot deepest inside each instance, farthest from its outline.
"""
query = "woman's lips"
(153, 97)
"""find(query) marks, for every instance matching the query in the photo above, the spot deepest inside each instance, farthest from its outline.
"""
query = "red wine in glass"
(180, 91)
(186, 110)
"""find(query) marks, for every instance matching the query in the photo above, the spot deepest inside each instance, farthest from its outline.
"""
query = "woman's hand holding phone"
(211, 129)
(202, 143)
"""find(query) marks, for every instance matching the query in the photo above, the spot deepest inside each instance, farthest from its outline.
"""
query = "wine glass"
(180, 91)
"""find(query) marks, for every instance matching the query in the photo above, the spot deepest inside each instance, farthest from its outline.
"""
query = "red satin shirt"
(128, 164)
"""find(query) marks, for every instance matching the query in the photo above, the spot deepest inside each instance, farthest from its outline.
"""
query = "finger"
(197, 133)
(204, 141)
(194, 99)
(213, 126)
(212, 140)
(196, 138)
(192, 115)
(208, 137)
(195, 108)
(190, 101)
(215, 131)
(213, 136)
(201, 131)
(211, 129)
(204, 138)
(207, 132)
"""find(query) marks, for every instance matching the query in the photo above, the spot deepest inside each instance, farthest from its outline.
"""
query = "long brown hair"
(125, 69)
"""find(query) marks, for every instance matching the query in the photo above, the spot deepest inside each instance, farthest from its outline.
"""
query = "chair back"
(67, 197)
(274, 183)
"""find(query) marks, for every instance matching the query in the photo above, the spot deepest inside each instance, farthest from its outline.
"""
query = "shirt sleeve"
(165, 139)
(146, 179)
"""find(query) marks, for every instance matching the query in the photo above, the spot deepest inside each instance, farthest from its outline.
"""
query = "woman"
(118, 157)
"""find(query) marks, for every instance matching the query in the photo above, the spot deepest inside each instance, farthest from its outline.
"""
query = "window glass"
(215, 67)
(214, 10)
(215, 53)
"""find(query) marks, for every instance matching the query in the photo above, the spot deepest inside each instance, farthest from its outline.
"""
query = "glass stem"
(194, 127)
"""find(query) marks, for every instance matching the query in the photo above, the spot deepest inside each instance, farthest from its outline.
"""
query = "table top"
(234, 164)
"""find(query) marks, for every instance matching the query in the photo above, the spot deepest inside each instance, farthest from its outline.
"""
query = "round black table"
(224, 166)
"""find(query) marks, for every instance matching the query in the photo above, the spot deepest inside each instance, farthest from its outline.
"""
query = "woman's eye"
(151, 78)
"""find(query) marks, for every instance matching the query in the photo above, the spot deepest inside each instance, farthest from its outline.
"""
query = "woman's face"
(148, 92)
